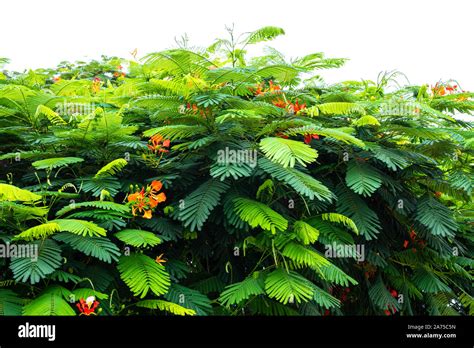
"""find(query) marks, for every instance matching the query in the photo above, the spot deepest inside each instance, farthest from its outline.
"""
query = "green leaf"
(366, 120)
(287, 152)
(334, 274)
(142, 274)
(111, 168)
(258, 214)
(264, 34)
(341, 108)
(288, 286)
(362, 178)
(381, 297)
(238, 292)
(199, 204)
(324, 299)
(32, 269)
(426, 280)
(354, 207)
(80, 227)
(305, 233)
(189, 298)
(97, 247)
(436, 217)
(302, 183)
(341, 219)
(138, 238)
(166, 306)
(51, 163)
(119, 208)
(303, 255)
(48, 304)
(12, 193)
(10, 303)
(176, 132)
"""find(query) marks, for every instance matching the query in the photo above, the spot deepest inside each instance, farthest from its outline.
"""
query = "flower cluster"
(272, 88)
(145, 200)
(293, 108)
(87, 306)
(158, 144)
(441, 89)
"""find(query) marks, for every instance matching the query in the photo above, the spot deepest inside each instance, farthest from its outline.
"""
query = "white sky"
(428, 40)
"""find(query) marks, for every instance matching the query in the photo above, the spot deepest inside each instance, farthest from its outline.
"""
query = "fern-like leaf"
(138, 238)
(166, 306)
(111, 168)
(288, 286)
(287, 152)
(142, 274)
(199, 204)
(238, 292)
(258, 214)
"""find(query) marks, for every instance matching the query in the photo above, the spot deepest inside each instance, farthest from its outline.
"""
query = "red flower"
(394, 293)
(297, 107)
(309, 137)
(405, 244)
(87, 306)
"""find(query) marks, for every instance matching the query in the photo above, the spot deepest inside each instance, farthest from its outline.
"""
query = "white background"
(426, 40)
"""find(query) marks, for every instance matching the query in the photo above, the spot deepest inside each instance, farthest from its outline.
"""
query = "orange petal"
(156, 185)
(133, 197)
(153, 203)
(147, 214)
(160, 198)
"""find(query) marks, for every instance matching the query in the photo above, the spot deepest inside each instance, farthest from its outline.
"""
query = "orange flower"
(160, 260)
(274, 87)
(155, 187)
(280, 103)
(297, 107)
(145, 201)
(137, 196)
(158, 144)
